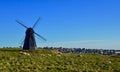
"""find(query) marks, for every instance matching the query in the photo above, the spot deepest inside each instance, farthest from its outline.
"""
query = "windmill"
(29, 41)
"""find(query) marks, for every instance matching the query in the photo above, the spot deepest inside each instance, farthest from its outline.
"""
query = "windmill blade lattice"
(21, 24)
(36, 23)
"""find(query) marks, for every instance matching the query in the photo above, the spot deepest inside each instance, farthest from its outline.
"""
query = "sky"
(64, 23)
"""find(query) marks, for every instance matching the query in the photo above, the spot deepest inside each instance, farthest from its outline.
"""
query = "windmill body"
(29, 41)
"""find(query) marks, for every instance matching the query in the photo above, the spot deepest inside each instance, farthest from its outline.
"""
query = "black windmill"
(29, 41)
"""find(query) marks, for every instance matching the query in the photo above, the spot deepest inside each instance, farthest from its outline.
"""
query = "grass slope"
(51, 61)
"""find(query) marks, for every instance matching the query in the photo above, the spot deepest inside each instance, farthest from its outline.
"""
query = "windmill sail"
(21, 24)
(36, 23)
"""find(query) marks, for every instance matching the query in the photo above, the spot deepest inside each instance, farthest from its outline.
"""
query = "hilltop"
(41, 60)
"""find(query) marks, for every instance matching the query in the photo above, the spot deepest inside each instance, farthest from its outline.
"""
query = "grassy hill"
(41, 60)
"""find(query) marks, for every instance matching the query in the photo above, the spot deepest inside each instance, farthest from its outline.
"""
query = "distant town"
(111, 52)
(85, 51)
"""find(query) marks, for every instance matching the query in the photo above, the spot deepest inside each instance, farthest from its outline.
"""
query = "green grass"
(51, 61)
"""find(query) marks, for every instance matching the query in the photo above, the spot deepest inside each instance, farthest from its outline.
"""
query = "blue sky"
(66, 23)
